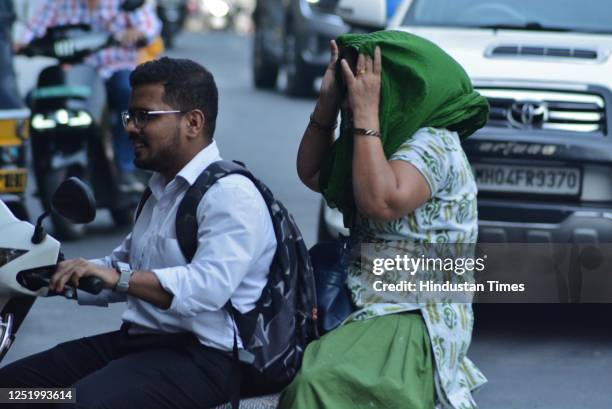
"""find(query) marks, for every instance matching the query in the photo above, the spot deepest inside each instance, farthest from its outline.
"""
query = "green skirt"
(382, 362)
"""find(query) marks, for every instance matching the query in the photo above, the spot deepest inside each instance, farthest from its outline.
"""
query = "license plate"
(527, 179)
(13, 180)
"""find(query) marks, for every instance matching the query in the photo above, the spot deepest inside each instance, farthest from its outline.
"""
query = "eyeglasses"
(140, 117)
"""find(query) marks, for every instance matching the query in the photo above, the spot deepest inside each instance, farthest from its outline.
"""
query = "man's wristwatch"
(125, 272)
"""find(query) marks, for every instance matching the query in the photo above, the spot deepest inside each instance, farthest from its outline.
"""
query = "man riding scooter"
(113, 63)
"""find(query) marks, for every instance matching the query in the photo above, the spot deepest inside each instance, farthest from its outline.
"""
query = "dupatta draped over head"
(421, 86)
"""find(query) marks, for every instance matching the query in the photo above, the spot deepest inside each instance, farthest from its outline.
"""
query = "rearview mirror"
(366, 14)
(75, 201)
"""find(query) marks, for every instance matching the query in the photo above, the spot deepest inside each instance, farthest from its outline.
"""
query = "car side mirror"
(363, 14)
(75, 201)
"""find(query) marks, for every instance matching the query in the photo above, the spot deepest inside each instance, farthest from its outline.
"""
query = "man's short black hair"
(187, 86)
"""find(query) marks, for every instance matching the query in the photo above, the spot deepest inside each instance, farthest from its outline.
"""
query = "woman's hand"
(329, 97)
(364, 89)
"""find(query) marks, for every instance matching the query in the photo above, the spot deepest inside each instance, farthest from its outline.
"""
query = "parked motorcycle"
(70, 125)
(29, 256)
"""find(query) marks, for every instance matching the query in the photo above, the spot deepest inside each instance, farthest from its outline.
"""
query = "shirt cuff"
(170, 281)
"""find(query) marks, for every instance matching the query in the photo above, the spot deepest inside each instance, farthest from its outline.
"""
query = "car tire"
(265, 72)
(299, 81)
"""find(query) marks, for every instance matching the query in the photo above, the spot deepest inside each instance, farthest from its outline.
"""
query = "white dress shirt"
(236, 244)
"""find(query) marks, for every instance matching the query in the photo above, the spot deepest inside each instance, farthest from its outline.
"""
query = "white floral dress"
(449, 216)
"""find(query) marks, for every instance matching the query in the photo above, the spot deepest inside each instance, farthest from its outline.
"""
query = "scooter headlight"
(40, 122)
(80, 118)
(8, 255)
(61, 117)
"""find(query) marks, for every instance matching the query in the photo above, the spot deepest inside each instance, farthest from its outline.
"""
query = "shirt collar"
(190, 171)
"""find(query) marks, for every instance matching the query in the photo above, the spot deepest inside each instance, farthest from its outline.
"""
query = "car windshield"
(554, 15)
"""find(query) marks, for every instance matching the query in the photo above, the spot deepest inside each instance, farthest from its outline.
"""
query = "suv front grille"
(542, 51)
(547, 110)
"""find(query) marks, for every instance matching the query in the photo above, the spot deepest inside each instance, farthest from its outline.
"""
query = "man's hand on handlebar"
(75, 269)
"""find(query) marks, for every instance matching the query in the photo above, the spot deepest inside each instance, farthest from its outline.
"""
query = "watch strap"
(125, 272)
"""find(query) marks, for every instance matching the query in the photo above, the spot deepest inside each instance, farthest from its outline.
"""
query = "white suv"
(543, 163)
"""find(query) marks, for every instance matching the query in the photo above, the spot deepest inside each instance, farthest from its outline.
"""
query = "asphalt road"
(533, 356)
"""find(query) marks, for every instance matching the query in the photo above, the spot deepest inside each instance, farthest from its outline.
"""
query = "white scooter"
(29, 256)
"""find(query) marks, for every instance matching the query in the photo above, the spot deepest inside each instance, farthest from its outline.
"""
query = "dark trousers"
(116, 370)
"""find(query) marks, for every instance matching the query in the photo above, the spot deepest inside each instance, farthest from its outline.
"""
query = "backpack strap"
(187, 236)
(143, 199)
(186, 215)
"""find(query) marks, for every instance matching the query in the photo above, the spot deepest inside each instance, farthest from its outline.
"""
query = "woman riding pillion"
(400, 177)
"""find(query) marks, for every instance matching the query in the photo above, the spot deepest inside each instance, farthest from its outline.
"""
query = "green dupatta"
(421, 86)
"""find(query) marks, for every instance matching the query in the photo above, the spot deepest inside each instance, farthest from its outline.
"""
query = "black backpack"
(275, 333)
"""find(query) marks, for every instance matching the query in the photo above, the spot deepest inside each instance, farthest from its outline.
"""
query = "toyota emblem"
(528, 114)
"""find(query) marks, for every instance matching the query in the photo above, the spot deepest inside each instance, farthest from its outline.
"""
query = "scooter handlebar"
(92, 285)
(37, 278)
(71, 48)
(89, 284)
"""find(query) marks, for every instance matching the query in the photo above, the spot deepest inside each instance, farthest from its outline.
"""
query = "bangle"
(318, 125)
(365, 131)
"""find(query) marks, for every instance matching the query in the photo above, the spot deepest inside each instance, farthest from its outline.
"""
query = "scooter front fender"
(17, 253)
